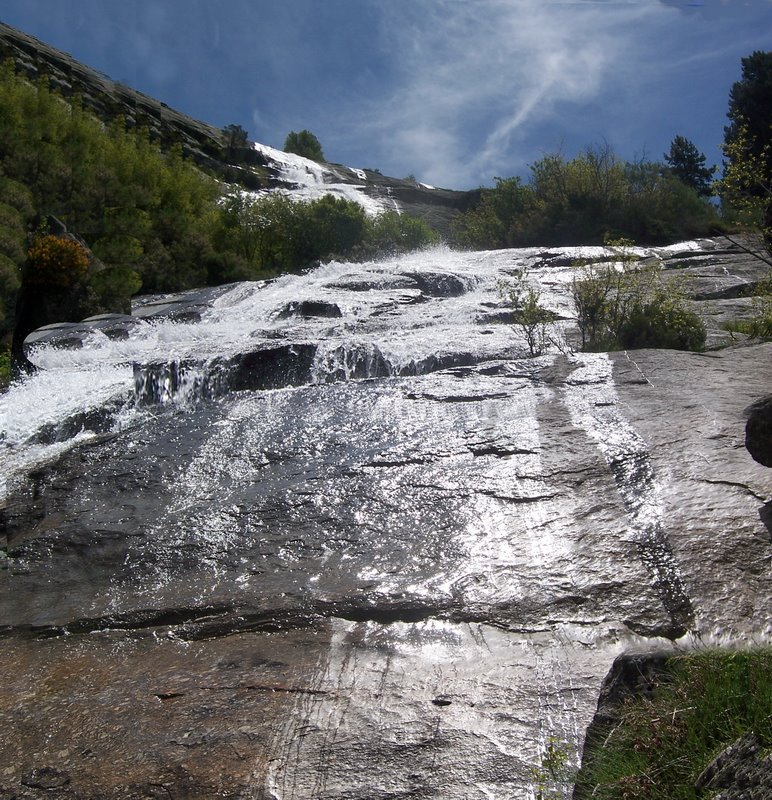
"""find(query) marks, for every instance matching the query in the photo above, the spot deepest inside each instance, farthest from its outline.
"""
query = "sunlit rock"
(378, 554)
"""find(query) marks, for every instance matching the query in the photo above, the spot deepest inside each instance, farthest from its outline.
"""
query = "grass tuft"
(660, 744)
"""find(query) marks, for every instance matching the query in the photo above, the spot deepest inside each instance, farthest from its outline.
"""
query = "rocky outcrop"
(376, 555)
(210, 606)
(739, 771)
(109, 99)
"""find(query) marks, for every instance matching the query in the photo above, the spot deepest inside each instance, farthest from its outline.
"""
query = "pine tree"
(750, 104)
(747, 181)
(687, 164)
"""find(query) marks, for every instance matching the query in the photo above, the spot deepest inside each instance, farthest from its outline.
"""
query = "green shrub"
(113, 289)
(759, 326)
(662, 322)
(582, 200)
(497, 220)
(330, 226)
(531, 318)
(5, 367)
(304, 143)
(702, 703)
(273, 233)
(391, 233)
(627, 306)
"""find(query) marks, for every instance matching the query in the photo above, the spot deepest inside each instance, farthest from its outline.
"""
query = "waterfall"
(338, 534)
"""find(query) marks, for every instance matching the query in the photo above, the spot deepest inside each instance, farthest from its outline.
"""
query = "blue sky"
(453, 91)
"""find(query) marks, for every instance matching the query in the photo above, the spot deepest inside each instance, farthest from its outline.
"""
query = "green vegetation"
(391, 233)
(56, 261)
(686, 163)
(746, 186)
(16, 211)
(495, 222)
(661, 743)
(630, 306)
(274, 234)
(157, 223)
(619, 305)
(533, 320)
(555, 775)
(144, 213)
(759, 326)
(154, 221)
(236, 137)
(583, 201)
(303, 143)
(5, 366)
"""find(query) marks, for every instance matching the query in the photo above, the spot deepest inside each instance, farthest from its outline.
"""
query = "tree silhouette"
(747, 181)
(687, 164)
(235, 138)
(304, 143)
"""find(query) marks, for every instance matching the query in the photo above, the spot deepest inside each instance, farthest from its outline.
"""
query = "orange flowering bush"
(55, 261)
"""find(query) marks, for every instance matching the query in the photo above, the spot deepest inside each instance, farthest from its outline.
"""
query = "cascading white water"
(311, 181)
(384, 317)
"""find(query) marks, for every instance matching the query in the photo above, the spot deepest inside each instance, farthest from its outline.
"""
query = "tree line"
(597, 195)
(586, 199)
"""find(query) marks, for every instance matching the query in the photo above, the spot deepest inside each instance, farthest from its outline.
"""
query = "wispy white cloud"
(497, 66)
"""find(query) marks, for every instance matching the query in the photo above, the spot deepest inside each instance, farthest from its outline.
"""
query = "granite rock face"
(377, 555)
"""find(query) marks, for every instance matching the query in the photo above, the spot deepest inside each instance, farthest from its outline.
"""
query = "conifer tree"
(687, 164)
(747, 181)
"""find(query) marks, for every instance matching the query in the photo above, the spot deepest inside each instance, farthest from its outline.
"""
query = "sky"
(453, 92)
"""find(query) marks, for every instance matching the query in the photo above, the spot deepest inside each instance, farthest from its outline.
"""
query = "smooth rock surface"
(399, 571)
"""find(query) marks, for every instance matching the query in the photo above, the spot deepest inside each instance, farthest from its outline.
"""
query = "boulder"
(758, 431)
(310, 308)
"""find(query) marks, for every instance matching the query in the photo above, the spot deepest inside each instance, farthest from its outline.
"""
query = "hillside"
(255, 167)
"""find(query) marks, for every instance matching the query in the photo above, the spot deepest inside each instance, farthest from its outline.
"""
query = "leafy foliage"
(554, 777)
(5, 367)
(531, 318)
(56, 261)
(626, 306)
(16, 212)
(154, 220)
(583, 201)
(493, 223)
(746, 186)
(135, 206)
(272, 234)
(759, 326)
(749, 105)
(701, 704)
(304, 143)
(391, 233)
